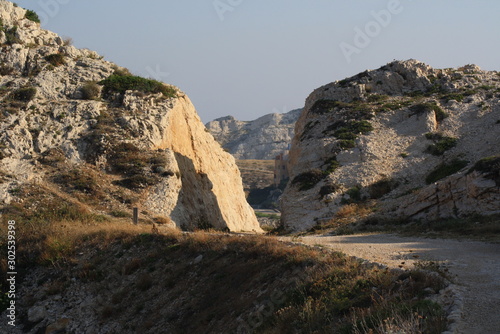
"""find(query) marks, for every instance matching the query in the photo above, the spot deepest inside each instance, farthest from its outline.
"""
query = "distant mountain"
(261, 139)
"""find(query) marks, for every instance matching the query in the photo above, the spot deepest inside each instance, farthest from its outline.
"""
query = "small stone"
(198, 259)
(36, 313)
(58, 327)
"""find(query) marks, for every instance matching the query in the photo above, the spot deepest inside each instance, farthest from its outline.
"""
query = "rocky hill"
(261, 139)
(403, 142)
(87, 133)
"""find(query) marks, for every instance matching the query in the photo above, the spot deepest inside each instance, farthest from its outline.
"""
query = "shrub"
(326, 106)
(428, 107)
(377, 98)
(328, 189)
(90, 91)
(121, 83)
(381, 188)
(56, 59)
(489, 166)
(346, 144)
(24, 94)
(352, 129)
(32, 16)
(6, 70)
(11, 36)
(78, 180)
(354, 194)
(454, 96)
(308, 180)
(120, 214)
(441, 145)
(331, 165)
(444, 170)
(137, 181)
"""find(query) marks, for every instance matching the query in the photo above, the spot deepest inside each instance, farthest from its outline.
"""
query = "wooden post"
(136, 216)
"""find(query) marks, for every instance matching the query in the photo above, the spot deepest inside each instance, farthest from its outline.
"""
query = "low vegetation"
(489, 166)
(90, 91)
(25, 94)
(32, 16)
(120, 82)
(445, 169)
(428, 107)
(441, 143)
(308, 180)
(11, 35)
(208, 282)
(55, 59)
(141, 168)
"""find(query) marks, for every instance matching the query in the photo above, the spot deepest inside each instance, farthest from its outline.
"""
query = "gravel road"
(475, 264)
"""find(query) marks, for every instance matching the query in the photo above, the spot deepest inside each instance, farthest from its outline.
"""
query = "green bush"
(32, 16)
(377, 98)
(56, 59)
(328, 189)
(354, 194)
(121, 83)
(428, 107)
(326, 106)
(454, 96)
(444, 170)
(352, 129)
(11, 36)
(309, 179)
(90, 91)
(489, 166)
(441, 145)
(137, 181)
(381, 188)
(331, 165)
(24, 94)
(6, 70)
(347, 144)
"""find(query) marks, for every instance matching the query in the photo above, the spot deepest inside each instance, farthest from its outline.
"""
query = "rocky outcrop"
(398, 140)
(148, 141)
(261, 139)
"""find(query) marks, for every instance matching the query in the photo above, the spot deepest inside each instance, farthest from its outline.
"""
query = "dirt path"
(475, 264)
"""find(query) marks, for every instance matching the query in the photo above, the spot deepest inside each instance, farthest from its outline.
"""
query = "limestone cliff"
(405, 141)
(261, 139)
(67, 114)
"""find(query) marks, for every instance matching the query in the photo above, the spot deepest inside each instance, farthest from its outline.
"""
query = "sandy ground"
(475, 265)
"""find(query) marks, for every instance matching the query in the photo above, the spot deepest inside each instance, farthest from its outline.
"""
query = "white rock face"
(261, 139)
(202, 184)
(409, 107)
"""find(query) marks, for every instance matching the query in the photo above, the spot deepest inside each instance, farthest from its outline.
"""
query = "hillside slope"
(261, 139)
(75, 123)
(405, 141)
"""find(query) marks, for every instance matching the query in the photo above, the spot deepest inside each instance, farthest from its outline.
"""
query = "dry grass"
(256, 174)
(353, 211)
(202, 281)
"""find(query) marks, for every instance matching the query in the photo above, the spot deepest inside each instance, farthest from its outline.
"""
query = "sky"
(248, 58)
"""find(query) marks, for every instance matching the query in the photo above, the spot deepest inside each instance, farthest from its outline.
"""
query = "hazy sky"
(248, 58)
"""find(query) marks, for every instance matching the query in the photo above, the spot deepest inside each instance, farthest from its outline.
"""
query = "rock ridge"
(149, 145)
(399, 140)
